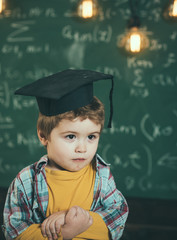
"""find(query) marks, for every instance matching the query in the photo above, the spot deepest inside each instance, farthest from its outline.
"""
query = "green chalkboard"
(42, 37)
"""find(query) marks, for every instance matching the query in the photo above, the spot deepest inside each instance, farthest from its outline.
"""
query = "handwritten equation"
(143, 166)
(149, 129)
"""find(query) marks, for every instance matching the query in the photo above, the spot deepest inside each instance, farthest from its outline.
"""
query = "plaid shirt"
(27, 200)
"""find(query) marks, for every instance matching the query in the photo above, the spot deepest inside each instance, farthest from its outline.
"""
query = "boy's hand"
(51, 226)
(77, 220)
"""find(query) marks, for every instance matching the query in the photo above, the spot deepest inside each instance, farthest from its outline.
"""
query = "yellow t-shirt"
(67, 189)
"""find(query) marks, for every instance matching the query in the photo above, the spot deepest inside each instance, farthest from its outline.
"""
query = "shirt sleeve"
(97, 231)
(33, 233)
(112, 208)
(17, 213)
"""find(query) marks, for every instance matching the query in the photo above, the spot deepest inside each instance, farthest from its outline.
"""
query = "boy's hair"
(93, 111)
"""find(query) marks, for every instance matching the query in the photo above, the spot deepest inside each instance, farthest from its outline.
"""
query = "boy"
(69, 193)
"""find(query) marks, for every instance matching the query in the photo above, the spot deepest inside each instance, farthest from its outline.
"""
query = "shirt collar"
(41, 163)
(100, 160)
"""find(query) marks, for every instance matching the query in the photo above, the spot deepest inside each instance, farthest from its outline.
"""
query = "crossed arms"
(76, 223)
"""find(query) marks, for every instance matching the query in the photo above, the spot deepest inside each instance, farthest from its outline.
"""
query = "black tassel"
(111, 104)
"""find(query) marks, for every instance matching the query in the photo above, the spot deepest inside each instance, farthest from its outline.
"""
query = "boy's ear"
(42, 138)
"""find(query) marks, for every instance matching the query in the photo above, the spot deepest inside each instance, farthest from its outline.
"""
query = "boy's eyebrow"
(65, 132)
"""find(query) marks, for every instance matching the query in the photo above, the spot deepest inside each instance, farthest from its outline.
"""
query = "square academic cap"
(65, 91)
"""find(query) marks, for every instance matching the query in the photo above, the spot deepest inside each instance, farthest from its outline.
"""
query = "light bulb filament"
(1, 6)
(174, 10)
(87, 9)
(135, 42)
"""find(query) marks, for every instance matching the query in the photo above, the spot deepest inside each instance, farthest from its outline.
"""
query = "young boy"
(69, 193)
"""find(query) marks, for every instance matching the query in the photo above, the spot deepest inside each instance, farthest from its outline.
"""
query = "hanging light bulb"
(174, 10)
(2, 5)
(135, 42)
(87, 9)
(135, 39)
(171, 11)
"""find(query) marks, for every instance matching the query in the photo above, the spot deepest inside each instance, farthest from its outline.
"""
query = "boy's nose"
(81, 147)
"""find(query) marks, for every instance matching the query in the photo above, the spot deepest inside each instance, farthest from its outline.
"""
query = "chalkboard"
(42, 37)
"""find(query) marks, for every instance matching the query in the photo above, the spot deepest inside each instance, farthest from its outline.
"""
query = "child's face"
(73, 144)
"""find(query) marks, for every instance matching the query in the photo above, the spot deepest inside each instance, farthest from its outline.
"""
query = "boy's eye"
(91, 137)
(70, 136)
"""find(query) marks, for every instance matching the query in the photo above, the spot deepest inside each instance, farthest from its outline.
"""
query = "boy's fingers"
(48, 232)
(57, 226)
(43, 229)
(51, 229)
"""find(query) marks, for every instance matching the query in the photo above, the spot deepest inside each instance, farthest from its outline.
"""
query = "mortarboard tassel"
(111, 104)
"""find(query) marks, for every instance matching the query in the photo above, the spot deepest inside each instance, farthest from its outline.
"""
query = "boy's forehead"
(78, 124)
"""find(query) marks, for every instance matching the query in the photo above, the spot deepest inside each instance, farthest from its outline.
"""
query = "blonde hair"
(93, 111)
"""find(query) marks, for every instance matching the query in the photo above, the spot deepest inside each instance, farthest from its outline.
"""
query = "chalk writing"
(9, 168)
(139, 89)
(133, 62)
(145, 183)
(19, 103)
(154, 130)
(110, 70)
(34, 49)
(27, 140)
(4, 94)
(155, 14)
(106, 14)
(12, 49)
(36, 12)
(122, 129)
(7, 140)
(168, 161)
(170, 60)
(20, 28)
(173, 35)
(6, 122)
(129, 183)
(155, 45)
(164, 80)
(149, 159)
(133, 159)
(139, 92)
(98, 34)
(19, 51)
(15, 74)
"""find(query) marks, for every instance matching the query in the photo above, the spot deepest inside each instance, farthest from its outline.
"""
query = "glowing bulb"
(135, 42)
(170, 12)
(87, 9)
(174, 10)
(2, 5)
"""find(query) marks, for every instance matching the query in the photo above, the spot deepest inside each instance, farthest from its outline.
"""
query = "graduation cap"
(65, 91)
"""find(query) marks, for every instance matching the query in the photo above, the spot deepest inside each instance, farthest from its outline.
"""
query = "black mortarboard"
(65, 91)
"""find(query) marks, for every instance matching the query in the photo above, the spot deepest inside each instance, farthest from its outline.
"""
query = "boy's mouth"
(79, 159)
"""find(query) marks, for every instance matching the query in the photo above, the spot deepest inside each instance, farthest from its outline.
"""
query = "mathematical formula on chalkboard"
(38, 39)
